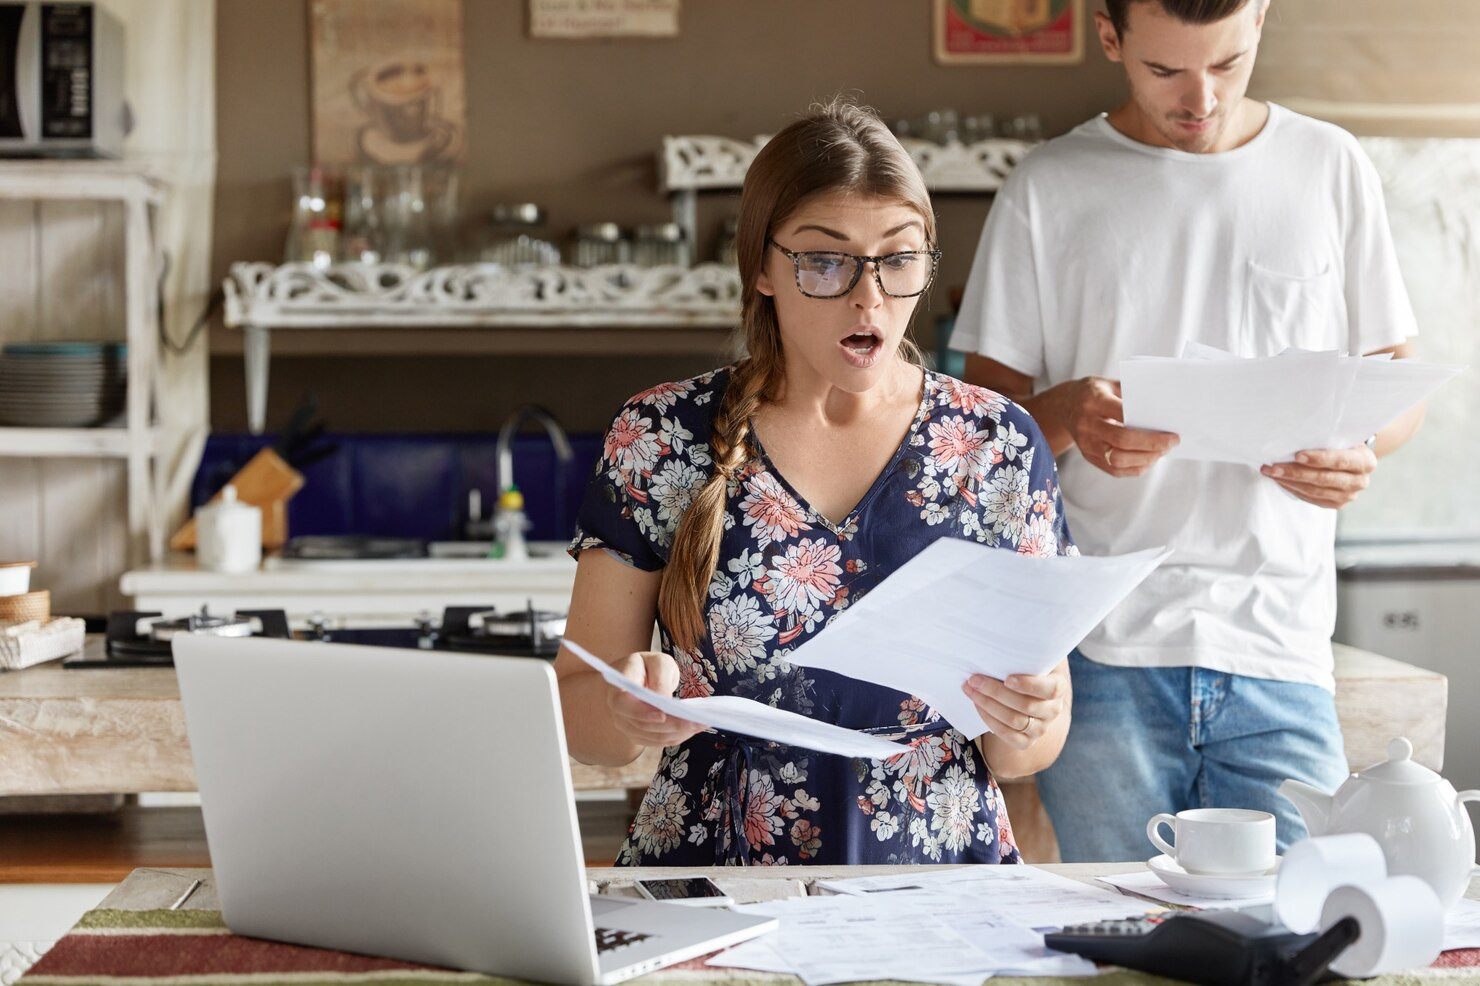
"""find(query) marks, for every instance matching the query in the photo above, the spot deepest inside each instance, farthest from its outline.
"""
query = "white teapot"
(1412, 812)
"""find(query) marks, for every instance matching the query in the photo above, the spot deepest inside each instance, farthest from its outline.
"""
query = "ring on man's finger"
(1109, 452)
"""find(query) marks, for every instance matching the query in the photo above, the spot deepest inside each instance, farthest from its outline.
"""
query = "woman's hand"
(642, 723)
(1022, 709)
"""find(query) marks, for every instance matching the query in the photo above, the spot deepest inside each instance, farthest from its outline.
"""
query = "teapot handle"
(1464, 796)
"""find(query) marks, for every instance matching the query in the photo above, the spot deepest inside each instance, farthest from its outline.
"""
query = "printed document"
(750, 718)
(960, 608)
(1262, 410)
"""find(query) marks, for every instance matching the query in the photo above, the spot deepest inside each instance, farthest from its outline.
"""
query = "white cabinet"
(78, 245)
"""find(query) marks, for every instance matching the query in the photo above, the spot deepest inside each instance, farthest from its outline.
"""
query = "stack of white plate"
(61, 384)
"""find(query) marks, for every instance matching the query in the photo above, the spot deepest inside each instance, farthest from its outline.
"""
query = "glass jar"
(363, 238)
(660, 245)
(313, 236)
(598, 243)
(724, 250)
(512, 237)
(408, 230)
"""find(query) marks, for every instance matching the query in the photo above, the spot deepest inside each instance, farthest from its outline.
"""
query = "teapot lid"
(1399, 767)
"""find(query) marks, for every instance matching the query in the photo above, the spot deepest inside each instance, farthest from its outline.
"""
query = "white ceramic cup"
(1217, 841)
(15, 577)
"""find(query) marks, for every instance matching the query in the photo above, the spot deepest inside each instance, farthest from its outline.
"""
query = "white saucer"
(1236, 886)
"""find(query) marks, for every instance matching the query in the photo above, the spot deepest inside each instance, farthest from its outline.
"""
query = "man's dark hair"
(1191, 11)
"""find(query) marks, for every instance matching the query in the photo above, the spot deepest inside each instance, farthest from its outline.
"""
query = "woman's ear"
(763, 284)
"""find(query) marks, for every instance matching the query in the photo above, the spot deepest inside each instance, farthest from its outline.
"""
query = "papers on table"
(1025, 896)
(960, 608)
(1263, 410)
(953, 926)
(1148, 884)
(750, 718)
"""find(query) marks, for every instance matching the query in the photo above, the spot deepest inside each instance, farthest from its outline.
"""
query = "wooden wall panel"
(63, 264)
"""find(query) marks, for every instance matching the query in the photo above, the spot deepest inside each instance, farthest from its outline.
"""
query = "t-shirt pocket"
(1281, 310)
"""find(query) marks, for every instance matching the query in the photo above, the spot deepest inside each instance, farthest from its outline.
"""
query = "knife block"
(267, 482)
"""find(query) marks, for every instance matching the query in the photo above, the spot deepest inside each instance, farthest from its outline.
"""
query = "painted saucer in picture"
(1238, 886)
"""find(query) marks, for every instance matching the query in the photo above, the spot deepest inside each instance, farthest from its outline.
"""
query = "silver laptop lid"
(405, 803)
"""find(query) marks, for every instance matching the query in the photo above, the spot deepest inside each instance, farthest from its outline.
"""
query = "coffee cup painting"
(388, 84)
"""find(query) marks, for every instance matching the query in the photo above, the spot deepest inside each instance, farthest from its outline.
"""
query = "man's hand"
(1090, 409)
(1329, 478)
(639, 721)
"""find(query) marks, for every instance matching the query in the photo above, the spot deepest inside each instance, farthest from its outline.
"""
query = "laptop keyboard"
(611, 939)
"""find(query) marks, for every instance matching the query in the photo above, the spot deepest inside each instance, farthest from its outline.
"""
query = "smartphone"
(697, 890)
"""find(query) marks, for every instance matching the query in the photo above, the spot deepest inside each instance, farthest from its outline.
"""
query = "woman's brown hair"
(837, 147)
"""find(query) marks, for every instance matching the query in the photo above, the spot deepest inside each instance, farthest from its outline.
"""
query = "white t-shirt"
(1100, 248)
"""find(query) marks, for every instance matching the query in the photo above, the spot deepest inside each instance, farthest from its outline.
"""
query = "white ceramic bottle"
(228, 534)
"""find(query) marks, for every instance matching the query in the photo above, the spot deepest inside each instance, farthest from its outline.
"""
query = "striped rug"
(177, 948)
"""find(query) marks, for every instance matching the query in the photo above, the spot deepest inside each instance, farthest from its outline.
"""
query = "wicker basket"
(35, 605)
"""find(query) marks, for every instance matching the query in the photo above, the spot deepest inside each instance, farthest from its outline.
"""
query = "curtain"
(170, 65)
(1377, 67)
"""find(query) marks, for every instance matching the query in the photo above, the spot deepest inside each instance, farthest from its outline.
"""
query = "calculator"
(1215, 948)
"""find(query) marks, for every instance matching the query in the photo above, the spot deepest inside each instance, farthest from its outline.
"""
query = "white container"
(15, 577)
(228, 534)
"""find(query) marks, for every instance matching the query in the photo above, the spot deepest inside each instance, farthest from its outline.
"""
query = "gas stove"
(139, 639)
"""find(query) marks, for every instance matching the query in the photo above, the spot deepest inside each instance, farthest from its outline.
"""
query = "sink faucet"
(511, 427)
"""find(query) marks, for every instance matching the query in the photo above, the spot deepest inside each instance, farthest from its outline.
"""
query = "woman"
(745, 507)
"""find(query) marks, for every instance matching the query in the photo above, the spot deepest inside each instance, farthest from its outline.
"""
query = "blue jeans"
(1147, 740)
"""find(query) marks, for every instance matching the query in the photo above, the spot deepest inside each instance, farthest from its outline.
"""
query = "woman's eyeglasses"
(825, 274)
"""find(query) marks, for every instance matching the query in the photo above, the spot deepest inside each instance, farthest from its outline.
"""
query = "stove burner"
(202, 623)
(131, 640)
(485, 630)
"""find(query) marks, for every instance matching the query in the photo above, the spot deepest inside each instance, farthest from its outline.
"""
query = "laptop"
(411, 804)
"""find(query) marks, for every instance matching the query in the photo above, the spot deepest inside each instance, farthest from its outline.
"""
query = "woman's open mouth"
(862, 347)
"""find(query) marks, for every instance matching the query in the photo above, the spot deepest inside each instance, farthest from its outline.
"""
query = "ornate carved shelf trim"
(300, 295)
(703, 162)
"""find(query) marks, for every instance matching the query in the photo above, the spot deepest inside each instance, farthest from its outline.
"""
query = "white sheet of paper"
(960, 608)
(1148, 884)
(830, 939)
(1462, 925)
(1265, 409)
(750, 718)
(1004, 895)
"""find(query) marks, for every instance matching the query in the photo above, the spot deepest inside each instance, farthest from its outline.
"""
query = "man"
(1189, 213)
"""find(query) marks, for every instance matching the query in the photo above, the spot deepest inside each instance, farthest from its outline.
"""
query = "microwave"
(61, 81)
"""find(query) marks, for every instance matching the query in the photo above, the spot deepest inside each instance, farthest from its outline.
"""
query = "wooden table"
(155, 889)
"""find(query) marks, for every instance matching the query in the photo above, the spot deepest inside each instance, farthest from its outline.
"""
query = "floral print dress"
(973, 465)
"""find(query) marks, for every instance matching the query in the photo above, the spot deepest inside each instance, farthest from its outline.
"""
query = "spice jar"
(660, 245)
(513, 239)
(598, 243)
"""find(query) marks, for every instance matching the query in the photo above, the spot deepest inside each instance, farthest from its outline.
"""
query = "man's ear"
(1263, 12)
(1109, 37)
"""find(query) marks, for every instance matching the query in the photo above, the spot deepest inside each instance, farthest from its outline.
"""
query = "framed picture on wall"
(1009, 32)
(388, 85)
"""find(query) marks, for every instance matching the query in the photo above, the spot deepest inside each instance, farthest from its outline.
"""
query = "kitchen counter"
(105, 731)
(100, 731)
(360, 593)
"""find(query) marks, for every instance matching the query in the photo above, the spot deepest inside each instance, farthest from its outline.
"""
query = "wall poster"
(388, 84)
(603, 18)
(1009, 32)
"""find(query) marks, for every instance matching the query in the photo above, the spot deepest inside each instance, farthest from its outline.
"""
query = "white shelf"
(352, 296)
(61, 443)
(705, 163)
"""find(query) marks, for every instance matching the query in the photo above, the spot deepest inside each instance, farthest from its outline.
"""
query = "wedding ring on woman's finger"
(1027, 725)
